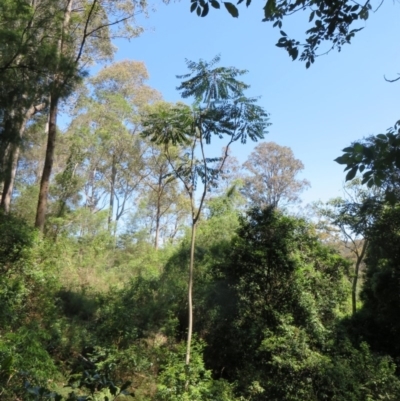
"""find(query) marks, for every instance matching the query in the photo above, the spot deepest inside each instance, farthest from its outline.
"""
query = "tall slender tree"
(221, 109)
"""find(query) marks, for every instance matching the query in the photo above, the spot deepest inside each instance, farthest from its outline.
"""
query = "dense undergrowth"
(94, 318)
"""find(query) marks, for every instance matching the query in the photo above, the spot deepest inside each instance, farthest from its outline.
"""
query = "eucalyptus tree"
(161, 194)
(82, 36)
(106, 126)
(271, 176)
(26, 60)
(221, 110)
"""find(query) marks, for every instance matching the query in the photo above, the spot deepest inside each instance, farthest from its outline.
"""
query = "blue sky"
(317, 112)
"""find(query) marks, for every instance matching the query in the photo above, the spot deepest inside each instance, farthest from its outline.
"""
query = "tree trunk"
(360, 258)
(11, 168)
(112, 193)
(9, 179)
(158, 215)
(6, 140)
(4, 157)
(48, 164)
(190, 295)
(51, 139)
(156, 239)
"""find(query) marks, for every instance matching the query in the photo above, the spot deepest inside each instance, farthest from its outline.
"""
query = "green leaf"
(390, 197)
(232, 9)
(283, 33)
(358, 147)
(193, 7)
(377, 181)
(342, 159)
(215, 4)
(270, 9)
(205, 10)
(352, 173)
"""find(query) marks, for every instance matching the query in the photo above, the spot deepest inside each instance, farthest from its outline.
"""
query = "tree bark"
(360, 258)
(190, 294)
(48, 164)
(112, 193)
(9, 178)
(158, 215)
(13, 156)
(51, 140)
(6, 140)
(156, 239)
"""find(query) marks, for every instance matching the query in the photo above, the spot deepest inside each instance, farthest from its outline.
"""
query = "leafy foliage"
(378, 160)
(333, 22)
(377, 317)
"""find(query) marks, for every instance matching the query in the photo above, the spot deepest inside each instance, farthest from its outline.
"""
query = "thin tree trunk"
(51, 139)
(48, 164)
(112, 193)
(156, 239)
(158, 216)
(360, 258)
(190, 295)
(4, 157)
(10, 178)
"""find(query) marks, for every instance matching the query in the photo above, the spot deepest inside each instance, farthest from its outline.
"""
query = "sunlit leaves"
(207, 83)
(169, 124)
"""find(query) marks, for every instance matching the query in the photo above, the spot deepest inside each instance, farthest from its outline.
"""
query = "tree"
(272, 180)
(334, 22)
(105, 129)
(280, 289)
(80, 40)
(348, 221)
(377, 320)
(377, 158)
(26, 60)
(162, 193)
(222, 110)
